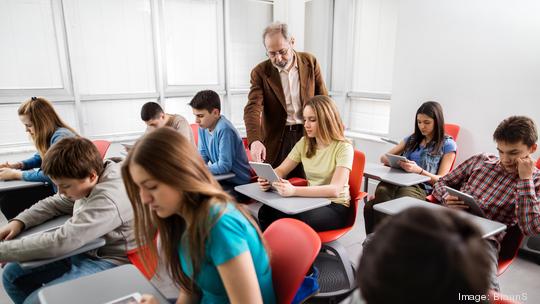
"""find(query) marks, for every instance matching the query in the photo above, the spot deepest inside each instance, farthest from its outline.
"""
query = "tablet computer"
(133, 298)
(265, 171)
(395, 159)
(467, 199)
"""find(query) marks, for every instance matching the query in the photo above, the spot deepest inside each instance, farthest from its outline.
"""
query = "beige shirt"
(291, 89)
(180, 124)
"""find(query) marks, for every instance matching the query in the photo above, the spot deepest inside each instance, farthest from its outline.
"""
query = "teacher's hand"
(258, 151)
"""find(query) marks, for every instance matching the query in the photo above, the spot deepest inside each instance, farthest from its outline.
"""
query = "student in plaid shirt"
(507, 187)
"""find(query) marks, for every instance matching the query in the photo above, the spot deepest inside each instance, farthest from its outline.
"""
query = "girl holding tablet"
(429, 152)
(327, 159)
(213, 251)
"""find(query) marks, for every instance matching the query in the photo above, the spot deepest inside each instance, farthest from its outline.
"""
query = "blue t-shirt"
(449, 145)
(230, 236)
(430, 160)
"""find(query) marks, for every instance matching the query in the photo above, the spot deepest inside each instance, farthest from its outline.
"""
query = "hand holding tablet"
(265, 171)
(395, 160)
(469, 201)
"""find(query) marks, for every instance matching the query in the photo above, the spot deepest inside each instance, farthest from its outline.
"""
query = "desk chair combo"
(337, 277)
(509, 245)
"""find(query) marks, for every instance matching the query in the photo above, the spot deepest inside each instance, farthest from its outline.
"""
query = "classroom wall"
(479, 59)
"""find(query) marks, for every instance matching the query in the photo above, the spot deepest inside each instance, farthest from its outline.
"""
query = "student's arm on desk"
(44, 210)
(455, 178)
(339, 179)
(396, 150)
(528, 204)
(95, 218)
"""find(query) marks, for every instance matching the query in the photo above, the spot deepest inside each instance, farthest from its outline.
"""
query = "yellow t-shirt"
(320, 167)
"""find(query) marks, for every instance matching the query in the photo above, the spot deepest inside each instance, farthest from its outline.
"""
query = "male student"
(154, 117)
(219, 141)
(89, 190)
(507, 187)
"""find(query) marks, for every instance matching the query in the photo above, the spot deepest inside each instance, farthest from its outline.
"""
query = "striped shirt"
(503, 196)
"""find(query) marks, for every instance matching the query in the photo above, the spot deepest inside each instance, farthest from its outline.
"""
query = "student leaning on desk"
(212, 249)
(430, 152)
(507, 187)
(93, 193)
(45, 128)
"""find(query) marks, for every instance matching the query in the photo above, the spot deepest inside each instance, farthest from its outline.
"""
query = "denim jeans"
(22, 286)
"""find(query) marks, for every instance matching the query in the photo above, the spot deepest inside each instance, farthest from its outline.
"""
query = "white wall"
(478, 58)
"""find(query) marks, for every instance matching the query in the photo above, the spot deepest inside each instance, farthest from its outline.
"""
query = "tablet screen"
(265, 171)
(394, 160)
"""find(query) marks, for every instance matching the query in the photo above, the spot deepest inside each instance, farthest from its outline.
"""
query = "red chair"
(102, 146)
(452, 130)
(195, 130)
(509, 248)
(538, 163)
(138, 255)
(293, 248)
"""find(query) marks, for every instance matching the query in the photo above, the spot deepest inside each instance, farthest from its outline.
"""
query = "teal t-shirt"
(231, 236)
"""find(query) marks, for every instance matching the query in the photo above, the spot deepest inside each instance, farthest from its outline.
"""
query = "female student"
(327, 159)
(212, 249)
(429, 152)
(45, 128)
(424, 256)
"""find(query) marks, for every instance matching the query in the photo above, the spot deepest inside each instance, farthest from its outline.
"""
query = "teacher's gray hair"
(277, 27)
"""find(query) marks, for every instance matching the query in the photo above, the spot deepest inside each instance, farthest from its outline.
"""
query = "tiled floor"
(522, 278)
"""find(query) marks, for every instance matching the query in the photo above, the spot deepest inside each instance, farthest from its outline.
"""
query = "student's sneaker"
(309, 287)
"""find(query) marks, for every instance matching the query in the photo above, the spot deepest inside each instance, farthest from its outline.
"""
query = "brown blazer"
(265, 114)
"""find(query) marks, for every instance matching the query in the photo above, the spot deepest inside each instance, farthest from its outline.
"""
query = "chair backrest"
(195, 130)
(102, 146)
(452, 130)
(355, 184)
(538, 163)
(509, 248)
(293, 249)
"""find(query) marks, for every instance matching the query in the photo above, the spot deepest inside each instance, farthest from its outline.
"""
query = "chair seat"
(332, 235)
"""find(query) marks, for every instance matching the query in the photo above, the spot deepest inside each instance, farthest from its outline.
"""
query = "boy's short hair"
(151, 110)
(72, 157)
(515, 129)
(206, 100)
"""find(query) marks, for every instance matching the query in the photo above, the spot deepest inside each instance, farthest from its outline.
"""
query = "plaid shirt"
(503, 196)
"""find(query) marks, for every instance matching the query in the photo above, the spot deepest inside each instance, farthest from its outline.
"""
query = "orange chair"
(509, 248)
(294, 247)
(195, 130)
(102, 146)
(452, 130)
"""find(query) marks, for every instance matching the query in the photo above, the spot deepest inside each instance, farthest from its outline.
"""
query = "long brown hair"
(433, 110)
(169, 158)
(329, 123)
(45, 120)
